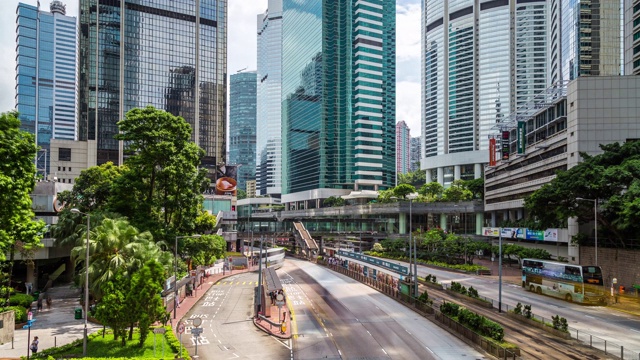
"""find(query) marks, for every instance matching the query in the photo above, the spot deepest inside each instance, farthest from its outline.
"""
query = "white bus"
(578, 283)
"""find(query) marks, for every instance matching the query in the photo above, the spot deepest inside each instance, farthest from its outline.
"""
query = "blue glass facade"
(338, 89)
(168, 53)
(242, 125)
(46, 76)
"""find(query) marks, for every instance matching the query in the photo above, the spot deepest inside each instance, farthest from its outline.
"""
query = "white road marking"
(369, 333)
(384, 352)
(431, 351)
(638, 331)
(339, 352)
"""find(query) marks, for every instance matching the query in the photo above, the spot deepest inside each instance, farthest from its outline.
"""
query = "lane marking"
(384, 352)
(638, 331)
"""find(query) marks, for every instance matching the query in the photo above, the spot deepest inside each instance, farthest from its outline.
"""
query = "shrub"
(20, 313)
(560, 323)
(469, 318)
(23, 300)
(424, 298)
(450, 309)
(527, 311)
(457, 287)
(518, 309)
(492, 330)
(473, 292)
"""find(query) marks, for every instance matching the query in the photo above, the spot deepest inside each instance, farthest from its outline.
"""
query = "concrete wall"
(616, 263)
(8, 326)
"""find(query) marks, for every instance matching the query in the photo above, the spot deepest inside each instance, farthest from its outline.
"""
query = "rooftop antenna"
(241, 70)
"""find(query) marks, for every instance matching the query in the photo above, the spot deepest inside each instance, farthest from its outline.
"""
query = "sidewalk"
(274, 325)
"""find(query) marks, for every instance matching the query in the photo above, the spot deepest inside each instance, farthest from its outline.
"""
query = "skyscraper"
(242, 125)
(479, 65)
(414, 154)
(169, 54)
(403, 148)
(269, 90)
(338, 97)
(632, 37)
(46, 75)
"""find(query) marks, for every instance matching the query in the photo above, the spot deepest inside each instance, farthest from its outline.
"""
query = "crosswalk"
(236, 283)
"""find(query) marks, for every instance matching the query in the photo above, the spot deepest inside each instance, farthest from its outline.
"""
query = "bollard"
(605, 347)
(621, 352)
(55, 341)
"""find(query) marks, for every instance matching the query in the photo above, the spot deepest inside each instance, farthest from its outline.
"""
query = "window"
(64, 154)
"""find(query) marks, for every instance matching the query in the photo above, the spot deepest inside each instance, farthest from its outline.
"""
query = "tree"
(19, 230)
(402, 190)
(332, 201)
(415, 178)
(160, 189)
(144, 297)
(241, 194)
(613, 178)
(377, 247)
(113, 310)
(92, 189)
(205, 249)
(205, 223)
(433, 190)
(457, 192)
(476, 186)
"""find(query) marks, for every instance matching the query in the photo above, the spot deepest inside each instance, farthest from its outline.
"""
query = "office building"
(479, 65)
(268, 109)
(403, 148)
(632, 37)
(338, 99)
(242, 125)
(169, 54)
(46, 76)
(414, 154)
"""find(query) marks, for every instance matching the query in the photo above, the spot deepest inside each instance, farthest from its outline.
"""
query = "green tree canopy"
(613, 178)
(433, 191)
(457, 192)
(205, 249)
(402, 190)
(332, 201)
(416, 178)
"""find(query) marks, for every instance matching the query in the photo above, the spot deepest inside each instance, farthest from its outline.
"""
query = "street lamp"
(500, 270)
(595, 221)
(411, 197)
(175, 271)
(86, 282)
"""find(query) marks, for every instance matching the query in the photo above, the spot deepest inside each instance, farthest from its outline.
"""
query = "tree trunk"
(131, 332)
(11, 261)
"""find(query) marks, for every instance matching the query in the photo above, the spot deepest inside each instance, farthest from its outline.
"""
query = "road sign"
(197, 322)
(279, 303)
(29, 315)
(180, 328)
(160, 330)
(196, 331)
(279, 297)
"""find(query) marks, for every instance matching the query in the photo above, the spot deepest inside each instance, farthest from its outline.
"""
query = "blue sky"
(242, 50)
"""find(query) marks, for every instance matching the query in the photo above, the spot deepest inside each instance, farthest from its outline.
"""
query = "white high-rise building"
(479, 65)
(268, 107)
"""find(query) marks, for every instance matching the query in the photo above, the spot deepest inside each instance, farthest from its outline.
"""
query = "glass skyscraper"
(479, 65)
(171, 54)
(338, 95)
(46, 75)
(242, 125)
(269, 90)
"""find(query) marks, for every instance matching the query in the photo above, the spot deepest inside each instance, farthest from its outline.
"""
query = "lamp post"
(411, 197)
(175, 271)
(259, 299)
(86, 282)
(595, 221)
(500, 270)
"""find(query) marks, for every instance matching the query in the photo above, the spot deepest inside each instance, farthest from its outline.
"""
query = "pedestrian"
(40, 303)
(34, 345)
(48, 302)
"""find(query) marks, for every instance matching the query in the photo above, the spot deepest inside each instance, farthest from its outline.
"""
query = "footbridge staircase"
(304, 241)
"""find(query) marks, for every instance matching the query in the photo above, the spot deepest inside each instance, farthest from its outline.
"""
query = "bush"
(457, 287)
(518, 309)
(492, 329)
(473, 293)
(20, 313)
(424, 298)
(450, 309)
(560, 323)
(527, 311)
(23, 300)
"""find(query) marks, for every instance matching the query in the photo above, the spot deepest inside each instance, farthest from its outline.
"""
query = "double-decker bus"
(578, 283)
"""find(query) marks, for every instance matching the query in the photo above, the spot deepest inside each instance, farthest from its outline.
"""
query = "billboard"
(522, 137)
(505, 145)
(226, 179)
(492, 152)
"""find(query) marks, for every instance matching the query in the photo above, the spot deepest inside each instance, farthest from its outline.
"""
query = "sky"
(242, 50)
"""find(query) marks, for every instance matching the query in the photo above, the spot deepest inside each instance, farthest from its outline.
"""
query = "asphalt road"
(228, 331)
(617, 328)
(339, 318)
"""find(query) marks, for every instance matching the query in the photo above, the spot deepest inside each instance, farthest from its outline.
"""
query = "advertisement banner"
(513, 233)
(226, 179)
(490, 231)
(492, 152)
(535, 235)
(551, 235)
(505, 145)
(522, 137)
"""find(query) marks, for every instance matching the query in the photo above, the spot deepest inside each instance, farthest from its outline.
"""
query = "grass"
(107, 347)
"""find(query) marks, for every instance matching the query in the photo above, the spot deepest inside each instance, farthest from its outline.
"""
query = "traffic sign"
(180, 328)
(159, 330)
(197, 322)
(196, 331)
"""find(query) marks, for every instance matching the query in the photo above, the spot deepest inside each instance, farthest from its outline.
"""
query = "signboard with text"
(521, 137)
(521, 233)
(375, 261)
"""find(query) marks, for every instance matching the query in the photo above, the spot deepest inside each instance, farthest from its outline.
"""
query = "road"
(611, 325)
(228, 331)
(339, 318)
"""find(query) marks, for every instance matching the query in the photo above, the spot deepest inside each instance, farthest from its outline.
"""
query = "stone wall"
(621, 264)
(8, 326)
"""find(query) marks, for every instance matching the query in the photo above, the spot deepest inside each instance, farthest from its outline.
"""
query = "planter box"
(533, 323)
(466, 298)
(431, 285)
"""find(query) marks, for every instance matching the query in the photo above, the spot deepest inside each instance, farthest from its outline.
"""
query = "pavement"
(57, 326)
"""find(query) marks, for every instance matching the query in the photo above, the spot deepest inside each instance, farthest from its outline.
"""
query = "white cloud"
(242, 33)
(408, 31)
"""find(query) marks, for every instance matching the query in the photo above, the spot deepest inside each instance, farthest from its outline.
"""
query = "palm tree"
(116, 245)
